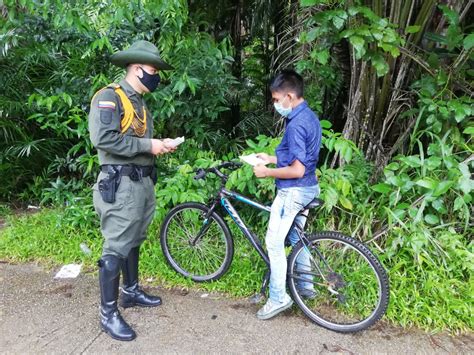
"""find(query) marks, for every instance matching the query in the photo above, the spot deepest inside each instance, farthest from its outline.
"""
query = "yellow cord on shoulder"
(128, 110)
(130, 116)
(113, 86)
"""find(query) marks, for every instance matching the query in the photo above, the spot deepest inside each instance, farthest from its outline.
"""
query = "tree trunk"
(236, 35)
(375, 103)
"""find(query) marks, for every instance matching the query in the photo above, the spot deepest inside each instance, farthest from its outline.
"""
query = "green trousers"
(124, 223)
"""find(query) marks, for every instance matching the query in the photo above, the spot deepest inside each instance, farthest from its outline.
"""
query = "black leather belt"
(134, 171)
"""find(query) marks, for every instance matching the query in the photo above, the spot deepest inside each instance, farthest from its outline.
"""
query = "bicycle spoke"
(347, 286)
(196, 257)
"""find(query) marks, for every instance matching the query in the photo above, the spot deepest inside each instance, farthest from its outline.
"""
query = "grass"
(424, 291)
(429, 296)
(45, 237)
(4, 210)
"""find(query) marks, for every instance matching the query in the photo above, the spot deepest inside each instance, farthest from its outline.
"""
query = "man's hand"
(268, 159)
(158, 147)
(260, 171)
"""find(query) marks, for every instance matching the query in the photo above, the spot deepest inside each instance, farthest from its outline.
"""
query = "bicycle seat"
(314, 204)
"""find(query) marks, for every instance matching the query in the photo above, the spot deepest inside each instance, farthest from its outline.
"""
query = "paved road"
(43, 315)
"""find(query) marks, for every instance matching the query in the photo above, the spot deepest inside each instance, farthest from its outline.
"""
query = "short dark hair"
(287, 80)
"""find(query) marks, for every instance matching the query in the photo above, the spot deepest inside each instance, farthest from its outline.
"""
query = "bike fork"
(206, 224)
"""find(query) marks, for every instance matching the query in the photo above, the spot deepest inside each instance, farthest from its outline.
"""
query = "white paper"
(175, 142)
(252, 159)
(69, 271)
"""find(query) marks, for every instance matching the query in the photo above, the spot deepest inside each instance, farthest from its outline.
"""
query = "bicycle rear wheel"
(338, 282)
(205, 258)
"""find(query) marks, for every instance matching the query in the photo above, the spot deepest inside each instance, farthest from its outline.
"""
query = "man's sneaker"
(271, 309)
(306, 293)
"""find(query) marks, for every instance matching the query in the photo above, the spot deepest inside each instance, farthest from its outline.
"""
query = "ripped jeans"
(285, 207)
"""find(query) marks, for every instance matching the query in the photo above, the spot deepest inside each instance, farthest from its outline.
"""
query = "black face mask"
(150, 81)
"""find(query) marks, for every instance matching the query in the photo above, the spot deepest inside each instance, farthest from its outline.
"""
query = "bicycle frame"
(224, 197)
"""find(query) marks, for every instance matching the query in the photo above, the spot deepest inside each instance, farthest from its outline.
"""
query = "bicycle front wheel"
(338, 282)
(199, 248)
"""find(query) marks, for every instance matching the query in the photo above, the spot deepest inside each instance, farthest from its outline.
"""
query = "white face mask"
(284, 111)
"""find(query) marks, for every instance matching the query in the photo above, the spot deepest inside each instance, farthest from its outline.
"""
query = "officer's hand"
(169, 144)
(158, 147)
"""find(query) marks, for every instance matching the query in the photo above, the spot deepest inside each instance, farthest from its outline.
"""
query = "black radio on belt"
(136, 173)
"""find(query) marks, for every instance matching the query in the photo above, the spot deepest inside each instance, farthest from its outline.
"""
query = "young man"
(121, 129)
(295, 174)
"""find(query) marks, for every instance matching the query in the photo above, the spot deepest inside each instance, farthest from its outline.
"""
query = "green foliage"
(65, 61)
(432, 188)
(434, 184)
(370, 36)
(192, 103)
(4, 210)
(244, 180)
(335, 142)
(430, 269)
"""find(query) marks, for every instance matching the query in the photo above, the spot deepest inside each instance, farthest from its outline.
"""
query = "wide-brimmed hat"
(140, 52)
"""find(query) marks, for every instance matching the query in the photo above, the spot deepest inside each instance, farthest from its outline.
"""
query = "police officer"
(121, 128)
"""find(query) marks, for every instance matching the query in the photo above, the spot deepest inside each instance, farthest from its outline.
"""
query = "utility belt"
(135, 172)
(108, 186)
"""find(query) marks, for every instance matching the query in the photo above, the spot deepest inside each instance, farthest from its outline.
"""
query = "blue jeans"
(285, 207)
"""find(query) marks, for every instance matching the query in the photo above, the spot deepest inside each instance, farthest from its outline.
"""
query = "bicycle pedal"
(257, 298)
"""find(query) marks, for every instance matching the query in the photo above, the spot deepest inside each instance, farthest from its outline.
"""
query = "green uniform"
(125, 221)
(121, 129)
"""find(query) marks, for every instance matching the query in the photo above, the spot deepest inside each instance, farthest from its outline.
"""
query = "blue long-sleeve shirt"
(301, 141)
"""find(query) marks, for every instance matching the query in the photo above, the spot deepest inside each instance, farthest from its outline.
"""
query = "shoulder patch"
(106, 117)
(110, 105)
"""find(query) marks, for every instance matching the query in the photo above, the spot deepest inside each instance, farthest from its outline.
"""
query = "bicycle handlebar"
(231, 165)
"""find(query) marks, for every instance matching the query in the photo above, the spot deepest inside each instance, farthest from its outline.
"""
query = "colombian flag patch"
(107, 105)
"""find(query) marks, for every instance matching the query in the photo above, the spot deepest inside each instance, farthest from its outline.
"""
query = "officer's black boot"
(132, 295)
(110, 318)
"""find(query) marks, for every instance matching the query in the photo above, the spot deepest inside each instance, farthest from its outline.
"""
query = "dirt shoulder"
(42, 315)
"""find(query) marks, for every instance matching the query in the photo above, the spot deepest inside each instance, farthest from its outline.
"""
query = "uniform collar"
(129, 91)
(296, 110)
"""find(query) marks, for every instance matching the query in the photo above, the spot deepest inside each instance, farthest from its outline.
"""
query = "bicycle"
(351, 288)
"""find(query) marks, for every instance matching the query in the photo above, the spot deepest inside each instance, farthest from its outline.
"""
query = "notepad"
(252, 159)
(175, 142)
